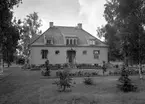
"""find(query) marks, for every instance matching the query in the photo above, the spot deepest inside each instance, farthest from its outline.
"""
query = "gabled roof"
(61, 32)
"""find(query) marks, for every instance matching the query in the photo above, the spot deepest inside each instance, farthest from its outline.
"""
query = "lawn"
(28, 87)
(104, 92)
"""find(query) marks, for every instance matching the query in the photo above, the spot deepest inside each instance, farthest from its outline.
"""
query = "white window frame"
(71, 40)
(92, 42)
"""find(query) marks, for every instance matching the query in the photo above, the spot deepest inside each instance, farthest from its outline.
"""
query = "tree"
(64, 80)
(112, 39)
(30, 28)
(10, 45)
(125, 83)
(128, 16)
(9, 34)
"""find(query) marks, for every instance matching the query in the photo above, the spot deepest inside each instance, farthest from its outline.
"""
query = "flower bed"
(80, 74)
(78, 66)
(88, 66)
(130, 71)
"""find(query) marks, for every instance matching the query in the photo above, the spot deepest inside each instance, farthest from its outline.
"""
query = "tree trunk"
(140, 73)
(64, 87)
(3, 63)
(1, 66)
(8, 63)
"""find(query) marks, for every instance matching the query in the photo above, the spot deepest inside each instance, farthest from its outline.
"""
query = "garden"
(103, 90)
(83, 70)
(89, 86)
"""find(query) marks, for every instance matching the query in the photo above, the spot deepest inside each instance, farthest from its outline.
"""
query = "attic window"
(75, 42)
(49, 41)
(67, 41)
(71, 41)
(92, 42)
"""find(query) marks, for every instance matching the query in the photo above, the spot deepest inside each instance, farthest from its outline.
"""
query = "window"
(49, 41)
(75, 42)
(84, 52)
(92, 42)
(67, 41)
(44, 54)
(71, 41)
(96, 54)
(57, 52)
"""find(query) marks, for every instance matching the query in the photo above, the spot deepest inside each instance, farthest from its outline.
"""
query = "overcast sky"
(65, 12)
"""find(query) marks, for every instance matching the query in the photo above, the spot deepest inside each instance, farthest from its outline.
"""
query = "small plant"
(125, 83)
(64, 80)
(88, 81)
(45, 72)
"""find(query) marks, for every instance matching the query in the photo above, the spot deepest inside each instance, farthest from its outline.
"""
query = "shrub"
(42, 66)
(21, 61)
(45, 72)
(88, 81)
(125, 83)
(94, 73)
(33, 66)
(117, 66)
(64, 80)
(26, 66)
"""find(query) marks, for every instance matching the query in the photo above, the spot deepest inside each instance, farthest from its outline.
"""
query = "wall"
(36, 58)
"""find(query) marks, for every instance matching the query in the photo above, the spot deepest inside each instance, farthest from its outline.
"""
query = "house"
(63, 44)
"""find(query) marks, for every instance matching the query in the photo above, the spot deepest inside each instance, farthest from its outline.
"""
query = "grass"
(104, 92)
(27, 87)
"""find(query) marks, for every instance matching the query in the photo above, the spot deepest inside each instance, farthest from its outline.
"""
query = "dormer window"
(91, 42)
(75, 41)
(71, 41)
(49, 41)
(67, 41)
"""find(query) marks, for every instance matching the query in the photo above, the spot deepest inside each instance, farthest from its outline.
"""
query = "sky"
(65, 13)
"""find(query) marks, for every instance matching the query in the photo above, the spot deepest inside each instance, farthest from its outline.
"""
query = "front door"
(71, 56)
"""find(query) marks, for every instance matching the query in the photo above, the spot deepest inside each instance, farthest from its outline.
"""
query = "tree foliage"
(9, 33)
(64, 80)
(112, 39)
(125, 83)
(127, 17)
(29, 28)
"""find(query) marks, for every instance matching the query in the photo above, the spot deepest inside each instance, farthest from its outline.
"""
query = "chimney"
(79, 25)
(51, 24)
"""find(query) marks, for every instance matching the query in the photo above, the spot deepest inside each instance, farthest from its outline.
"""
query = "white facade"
(61, 58)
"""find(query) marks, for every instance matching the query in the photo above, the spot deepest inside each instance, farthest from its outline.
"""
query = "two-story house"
(63, 44)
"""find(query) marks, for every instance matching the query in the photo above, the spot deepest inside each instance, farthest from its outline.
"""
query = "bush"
(45, 72)
(26, 66)
(125, 83)
(42, 66)
(21, 61)
(64, 80)
(87, 66)
(88, 81)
